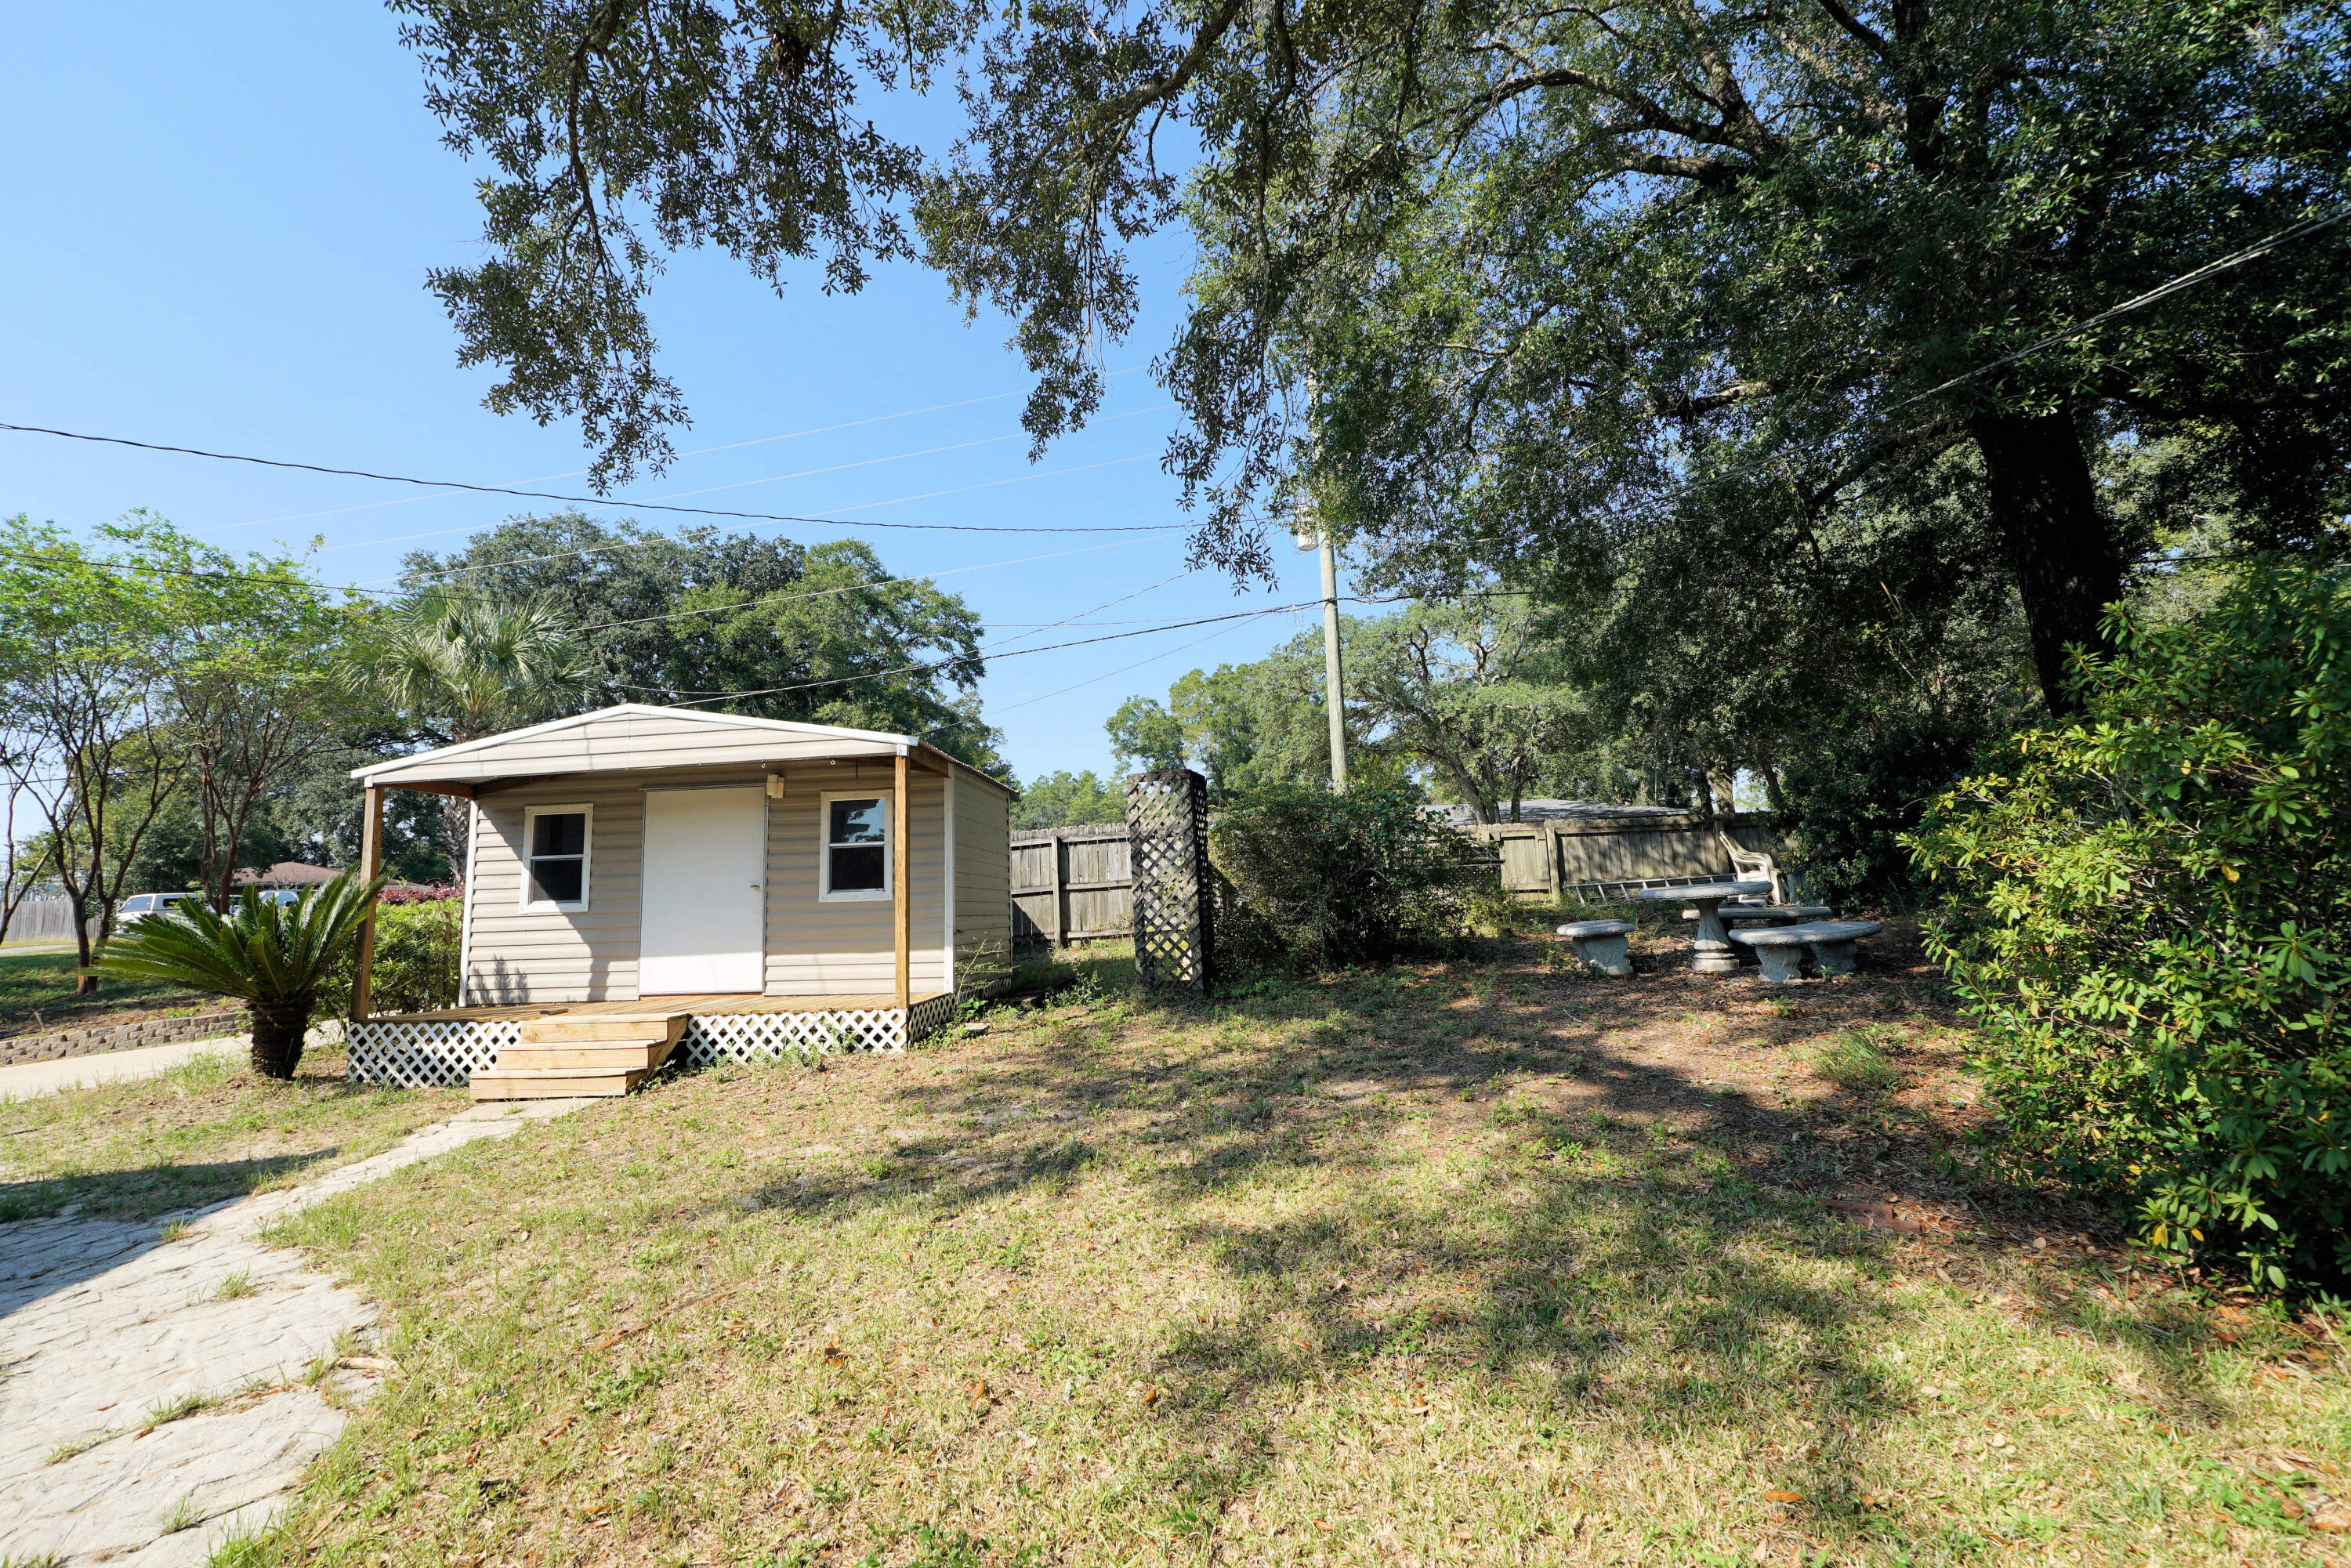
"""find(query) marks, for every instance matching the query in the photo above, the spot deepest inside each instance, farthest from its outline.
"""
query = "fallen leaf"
(1152, 1397)
(1783, 1497)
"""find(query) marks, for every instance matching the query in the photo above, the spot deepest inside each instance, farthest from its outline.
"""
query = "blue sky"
(221, 224)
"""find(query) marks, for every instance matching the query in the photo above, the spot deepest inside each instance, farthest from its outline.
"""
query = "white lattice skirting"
(443, 1052)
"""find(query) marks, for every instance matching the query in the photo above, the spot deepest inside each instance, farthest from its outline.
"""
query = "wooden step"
(609, 1056)
(553, 1083)
(604, 1029)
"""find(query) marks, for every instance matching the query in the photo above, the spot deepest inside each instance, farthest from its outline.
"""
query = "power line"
(974, 658)
(1089, 680)
(697, 452)
(599, 501)
(2186, 280)
(2179, 284)
(854, 587)
(985, 651)
(1082, 614)
(803, 474)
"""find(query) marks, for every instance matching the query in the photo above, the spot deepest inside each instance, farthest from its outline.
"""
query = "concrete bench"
(1780, 948)
(1777, 914)
(1601, 944)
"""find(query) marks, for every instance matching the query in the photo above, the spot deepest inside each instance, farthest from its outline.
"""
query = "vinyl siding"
(814, 949)
(584, 956)
(983, 909)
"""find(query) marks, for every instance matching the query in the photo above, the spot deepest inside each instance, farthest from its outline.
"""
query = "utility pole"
(1310, 535)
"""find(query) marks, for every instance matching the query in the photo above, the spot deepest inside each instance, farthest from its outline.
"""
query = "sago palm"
(274, 957)
(459, 666)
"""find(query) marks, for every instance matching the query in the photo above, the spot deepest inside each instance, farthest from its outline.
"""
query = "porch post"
(371, 861)
(900, 907)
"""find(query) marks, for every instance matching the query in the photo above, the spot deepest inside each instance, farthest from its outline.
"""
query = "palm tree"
(275, 957)
(459, 666)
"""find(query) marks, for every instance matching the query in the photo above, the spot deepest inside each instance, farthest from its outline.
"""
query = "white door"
(704, 912)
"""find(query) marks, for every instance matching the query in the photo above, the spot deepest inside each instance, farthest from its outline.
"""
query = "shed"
(643, 880)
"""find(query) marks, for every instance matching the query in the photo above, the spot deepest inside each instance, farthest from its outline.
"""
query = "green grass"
(1857, 1059)
(207, 1130)
(1400, 1267)
(37, 992)
(178, 1409)
(183, 1514)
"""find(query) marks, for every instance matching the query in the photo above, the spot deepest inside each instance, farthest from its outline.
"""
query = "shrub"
(278, 959)
(1318, 880)
(2146, 915)
(428, 893)
(1859, 788)
(416, 950)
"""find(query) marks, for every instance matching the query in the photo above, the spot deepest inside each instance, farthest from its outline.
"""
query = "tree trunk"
(85, 983)
(456, 816)
(2062, 551)
(278, 1026)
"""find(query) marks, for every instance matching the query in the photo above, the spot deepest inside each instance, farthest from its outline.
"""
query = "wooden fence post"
(1060, 848)
(1175, 898)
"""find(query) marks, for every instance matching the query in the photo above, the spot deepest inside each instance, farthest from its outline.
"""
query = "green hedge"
(417, 948)
(2148, 912)
(1316, 880)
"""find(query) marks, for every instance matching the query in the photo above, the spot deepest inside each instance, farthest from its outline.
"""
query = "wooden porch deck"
(716, 1005)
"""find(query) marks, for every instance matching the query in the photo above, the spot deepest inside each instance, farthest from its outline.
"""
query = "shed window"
(856, 846)
(556, 873)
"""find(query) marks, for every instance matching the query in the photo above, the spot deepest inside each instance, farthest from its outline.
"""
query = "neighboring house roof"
(639, 735)
(285, 874)
(1562, 811)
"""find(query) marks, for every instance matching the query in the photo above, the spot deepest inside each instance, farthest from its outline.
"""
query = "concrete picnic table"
(1710, 950)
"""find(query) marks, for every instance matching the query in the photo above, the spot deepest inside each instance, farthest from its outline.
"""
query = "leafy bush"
(1318, 880)
(431, 892)
(1859, 789)
(2147, 916)
(416, 950)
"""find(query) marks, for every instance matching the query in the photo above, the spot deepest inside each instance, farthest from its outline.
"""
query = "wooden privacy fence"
(1071, 884)
(1600, 857)
(1074, 884)
(45, 917)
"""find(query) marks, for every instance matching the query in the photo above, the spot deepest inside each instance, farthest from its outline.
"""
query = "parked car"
(140, 905)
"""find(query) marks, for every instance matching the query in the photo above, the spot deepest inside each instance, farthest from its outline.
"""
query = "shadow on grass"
(150, 1190)
(1636, 1267)
(114, 1215)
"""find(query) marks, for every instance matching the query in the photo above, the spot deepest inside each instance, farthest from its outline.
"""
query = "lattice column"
(1168, 841)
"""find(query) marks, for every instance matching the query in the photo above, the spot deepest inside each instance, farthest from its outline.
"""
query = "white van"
(140, 905)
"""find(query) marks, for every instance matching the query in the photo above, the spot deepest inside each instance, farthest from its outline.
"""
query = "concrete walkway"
(30, 1080)
(104, 1325)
